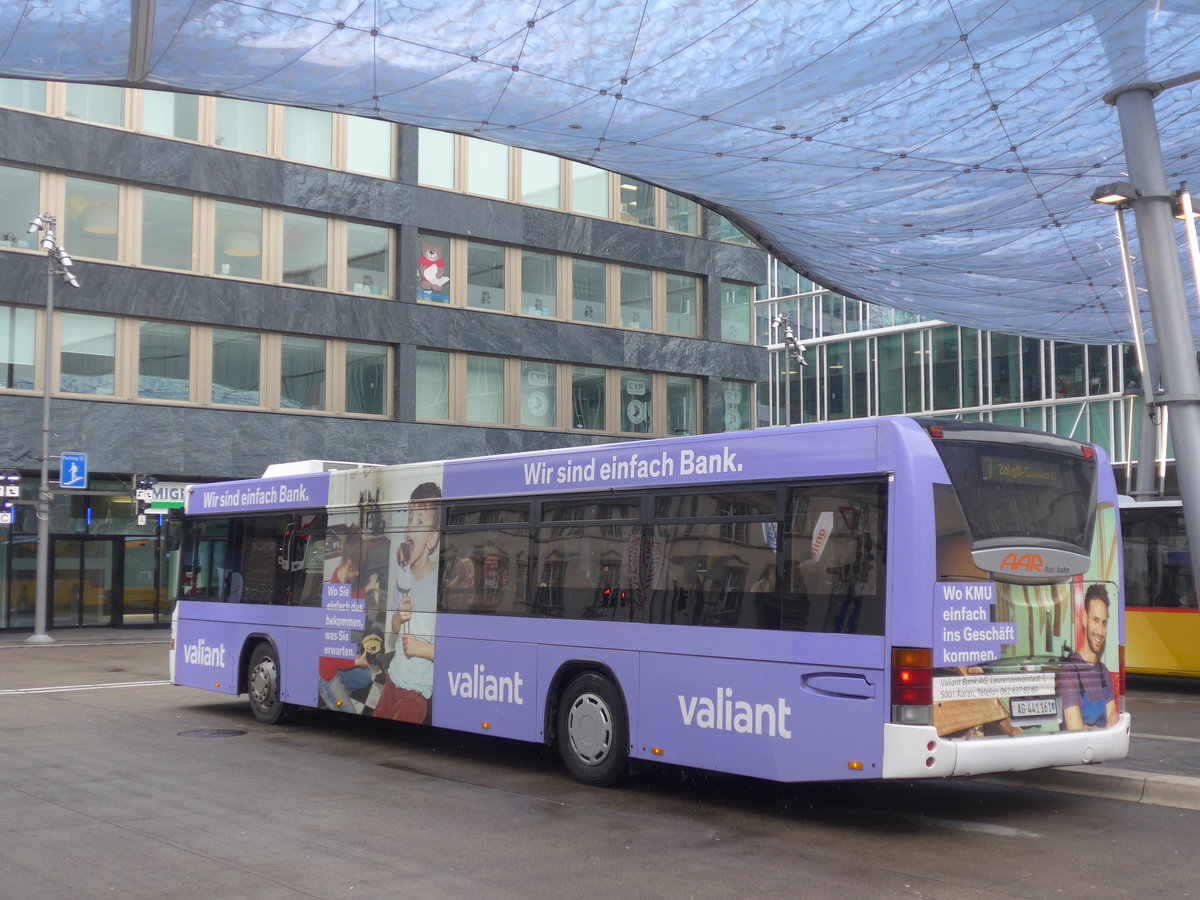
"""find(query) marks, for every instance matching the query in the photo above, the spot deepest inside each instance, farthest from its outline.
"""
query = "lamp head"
(1115, 194)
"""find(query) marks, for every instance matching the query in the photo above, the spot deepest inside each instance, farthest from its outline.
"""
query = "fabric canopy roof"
(932, 155)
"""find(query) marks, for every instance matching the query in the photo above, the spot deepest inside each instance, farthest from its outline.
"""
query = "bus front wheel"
(262, 685)
(593, 736)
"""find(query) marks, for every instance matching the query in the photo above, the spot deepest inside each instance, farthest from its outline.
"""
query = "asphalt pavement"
(1162, 768)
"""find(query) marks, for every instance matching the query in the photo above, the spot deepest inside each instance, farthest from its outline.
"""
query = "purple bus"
(888, 598)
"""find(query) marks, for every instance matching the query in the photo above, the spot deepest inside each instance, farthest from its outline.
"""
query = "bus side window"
(312, 570)
(835, 545)
(485, 553)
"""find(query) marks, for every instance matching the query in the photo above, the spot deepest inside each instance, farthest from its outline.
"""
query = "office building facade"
(262, 284)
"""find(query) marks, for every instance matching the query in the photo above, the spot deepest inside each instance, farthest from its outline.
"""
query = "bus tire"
(593, 735)
(262, 685)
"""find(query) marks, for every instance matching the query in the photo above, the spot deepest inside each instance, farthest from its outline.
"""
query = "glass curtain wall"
(1069, 389)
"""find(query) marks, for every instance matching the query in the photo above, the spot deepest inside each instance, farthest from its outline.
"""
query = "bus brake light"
(1121, 686)
(912, 685)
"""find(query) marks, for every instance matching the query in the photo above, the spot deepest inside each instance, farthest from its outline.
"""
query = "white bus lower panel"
(916, 751)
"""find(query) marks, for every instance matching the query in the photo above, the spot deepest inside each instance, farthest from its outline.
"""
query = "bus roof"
(864, 446)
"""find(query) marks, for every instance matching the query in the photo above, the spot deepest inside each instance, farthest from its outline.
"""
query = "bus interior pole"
(1164, 284)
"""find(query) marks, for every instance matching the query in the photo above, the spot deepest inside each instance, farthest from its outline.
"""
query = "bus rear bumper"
(916, 751)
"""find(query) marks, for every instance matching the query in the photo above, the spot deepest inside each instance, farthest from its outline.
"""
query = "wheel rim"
(590, 729)
(264, 683)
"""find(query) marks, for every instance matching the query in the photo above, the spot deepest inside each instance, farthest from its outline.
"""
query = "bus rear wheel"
(262, 685)
(593, 736)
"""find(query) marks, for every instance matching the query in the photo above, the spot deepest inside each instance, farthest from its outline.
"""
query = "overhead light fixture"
(100, 220)
(1115, 194)
(242, 243)
(1181, 206)
(36, 225)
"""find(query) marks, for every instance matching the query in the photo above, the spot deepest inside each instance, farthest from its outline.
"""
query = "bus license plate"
(1023, 707)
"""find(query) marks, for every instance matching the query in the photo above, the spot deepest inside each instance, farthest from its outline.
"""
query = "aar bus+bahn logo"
(1023, 562)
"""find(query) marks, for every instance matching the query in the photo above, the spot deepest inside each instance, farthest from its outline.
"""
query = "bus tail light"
(912, 685)
(1121, 678)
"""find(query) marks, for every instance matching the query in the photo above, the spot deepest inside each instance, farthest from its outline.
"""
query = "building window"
(164, 361)
(837, 380)
(731, 234)
(432, 387)
(1005, 368)
(637, 295)
(637, 408)
(735, 312)
(236, 364)
(737, 397)
(170, 114)
(915, 355)
(368, 259)
(891, 375)
(946, 367)
(90, 225)
(487, 168)
(485, 276)
(369, 146)
(241, 125)
(682, 214)
(18, 338)
(485, 389)
(588, 292)
(88, 351)
(96, 103)
(540, 179)
(682, 295)
(539, 392)
(20, 201)
(305, 250)
(587, 398)
(970, 367)
(29, 95)
(435, 158)
(307, 136)
(589, 190)
(302, 373)
(681, 405)
(539, 284)
(434, 269)
(1070, 371)
(636, 201)
(166, 230)
(238, 246)
(366, 379)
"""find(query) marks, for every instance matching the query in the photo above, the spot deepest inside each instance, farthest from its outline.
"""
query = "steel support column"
(1164, 283)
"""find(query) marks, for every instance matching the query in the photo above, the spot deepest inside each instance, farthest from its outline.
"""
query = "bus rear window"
(1010, 489)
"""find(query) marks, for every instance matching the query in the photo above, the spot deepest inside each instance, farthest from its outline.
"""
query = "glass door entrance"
(86, 577)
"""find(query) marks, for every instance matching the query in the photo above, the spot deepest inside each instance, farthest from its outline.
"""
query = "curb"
(1176, 791)
(8, 641)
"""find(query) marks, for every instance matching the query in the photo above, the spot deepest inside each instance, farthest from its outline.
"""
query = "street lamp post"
(58, 265)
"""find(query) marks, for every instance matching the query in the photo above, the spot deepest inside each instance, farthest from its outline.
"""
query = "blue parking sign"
(74, 473)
